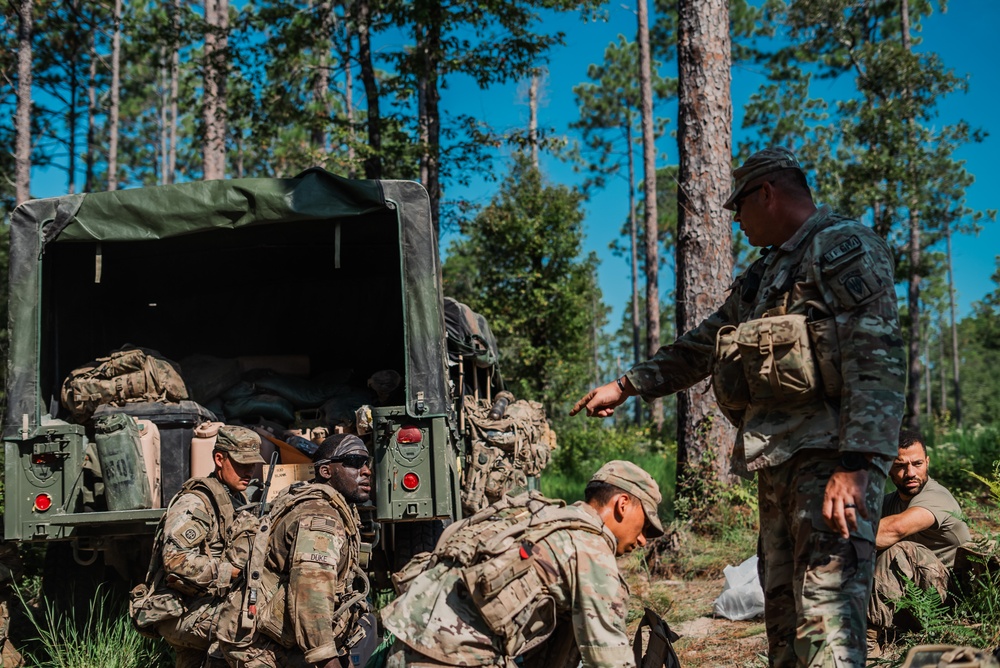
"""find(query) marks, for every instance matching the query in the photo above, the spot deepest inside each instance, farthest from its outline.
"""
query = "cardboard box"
(285, 475)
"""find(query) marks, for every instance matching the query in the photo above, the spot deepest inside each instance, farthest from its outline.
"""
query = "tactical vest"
(159, 598)
(774, 356)
(503, 569)
(260, 602)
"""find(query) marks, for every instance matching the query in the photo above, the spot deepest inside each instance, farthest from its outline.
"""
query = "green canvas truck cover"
(164, 212)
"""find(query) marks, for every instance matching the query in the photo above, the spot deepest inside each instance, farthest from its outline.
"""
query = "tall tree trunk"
(88, 159)
(164, 104)
(533, 118)
(650, 219)
(634, 251)
(72, 112)
(913, 284)
(321, 83)
(348, 101)
(929, 412)
(956, 387)
(22, 116)
(214, 110)
(175, 66)
(116, 50)
(943, 368)
(373, 162)
(704, 228)
(428, 41)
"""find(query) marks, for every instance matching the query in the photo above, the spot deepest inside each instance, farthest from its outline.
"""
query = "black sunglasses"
(738, 202)
(349, 461)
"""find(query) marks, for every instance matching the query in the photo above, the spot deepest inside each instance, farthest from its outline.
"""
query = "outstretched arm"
(602, 401)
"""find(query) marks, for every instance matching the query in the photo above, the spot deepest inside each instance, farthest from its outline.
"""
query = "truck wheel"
(412, 538)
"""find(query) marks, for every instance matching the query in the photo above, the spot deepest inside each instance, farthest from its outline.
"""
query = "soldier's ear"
(324, 471)
(622, 502)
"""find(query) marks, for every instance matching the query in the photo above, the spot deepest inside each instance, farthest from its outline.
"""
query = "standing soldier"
(198, 560)
(304, 601)
(528, 581)
(806, 358)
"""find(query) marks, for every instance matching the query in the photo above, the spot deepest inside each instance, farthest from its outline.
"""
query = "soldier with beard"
(920, 531)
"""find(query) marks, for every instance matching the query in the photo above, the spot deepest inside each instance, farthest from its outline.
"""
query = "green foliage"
(586, 445)
(979, 346)
(519, 264)
(103, 637)
(957, 453)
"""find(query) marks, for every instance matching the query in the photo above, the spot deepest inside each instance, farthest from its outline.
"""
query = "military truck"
(345, 273)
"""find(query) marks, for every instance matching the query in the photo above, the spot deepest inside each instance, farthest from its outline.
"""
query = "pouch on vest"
(826, 349)
(660, 649)
(729, 382)
(777, 359)
(148, 606)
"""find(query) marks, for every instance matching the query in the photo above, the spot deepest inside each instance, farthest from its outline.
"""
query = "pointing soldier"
(562, 599)
(806, 360)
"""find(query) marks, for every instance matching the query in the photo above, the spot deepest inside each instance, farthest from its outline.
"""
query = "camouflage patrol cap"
(760, 163)
(242, 444)
(631, 478)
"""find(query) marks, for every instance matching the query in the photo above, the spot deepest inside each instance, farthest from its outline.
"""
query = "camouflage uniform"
(435, 624)
(198, 559)
(923, 558)
(838, 274)
(312, 555)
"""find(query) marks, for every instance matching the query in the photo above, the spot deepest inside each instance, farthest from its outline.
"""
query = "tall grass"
(102, 636)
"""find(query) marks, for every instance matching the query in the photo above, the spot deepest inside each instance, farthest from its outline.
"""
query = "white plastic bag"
(742, 596)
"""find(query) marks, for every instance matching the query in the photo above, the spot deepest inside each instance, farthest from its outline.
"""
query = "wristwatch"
(853, 461)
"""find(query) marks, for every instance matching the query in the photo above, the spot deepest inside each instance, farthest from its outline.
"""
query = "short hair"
(329, 446)
(910, 437)
(793, 180)
(602, 492)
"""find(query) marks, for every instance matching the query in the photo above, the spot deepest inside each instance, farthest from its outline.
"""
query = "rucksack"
(154, 600)
(125, 376)
(259, 603)
(504, 451)
(503, 569)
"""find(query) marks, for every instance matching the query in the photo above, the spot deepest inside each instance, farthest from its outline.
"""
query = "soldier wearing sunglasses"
(316, 609)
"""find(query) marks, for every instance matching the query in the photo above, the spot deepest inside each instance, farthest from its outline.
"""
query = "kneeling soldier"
(528, 578)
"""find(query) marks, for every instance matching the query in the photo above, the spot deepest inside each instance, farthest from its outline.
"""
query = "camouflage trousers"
(816, 584)
(402, 655)
(192, 634)
(894, 566)
(265, 653)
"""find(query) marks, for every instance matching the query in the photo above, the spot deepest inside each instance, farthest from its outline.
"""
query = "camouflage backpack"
(126, 376)
(505, 572)
(159, 598)
(504, 450)
(260, 602)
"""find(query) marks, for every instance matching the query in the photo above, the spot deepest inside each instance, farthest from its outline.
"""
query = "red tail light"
(45, 458)
(409, 434)
(411, 481)
(43, 502)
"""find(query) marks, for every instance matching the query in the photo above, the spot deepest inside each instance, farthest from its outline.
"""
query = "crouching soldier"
(200, 549)
(304, 600)
(530, 579)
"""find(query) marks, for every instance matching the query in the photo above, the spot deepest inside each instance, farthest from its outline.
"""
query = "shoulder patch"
(189, 534)
(327, 524)
(856, 285)
(847, 248)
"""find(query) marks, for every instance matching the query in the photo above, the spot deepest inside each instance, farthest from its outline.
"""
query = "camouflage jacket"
(437, 620)
(310, 551)
(194, 544)
(844, 269)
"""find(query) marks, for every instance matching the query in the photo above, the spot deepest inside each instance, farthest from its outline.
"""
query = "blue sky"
(958, 36)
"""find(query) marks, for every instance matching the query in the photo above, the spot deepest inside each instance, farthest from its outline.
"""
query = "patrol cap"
(631, 478)
(242, 444)
(760, 163)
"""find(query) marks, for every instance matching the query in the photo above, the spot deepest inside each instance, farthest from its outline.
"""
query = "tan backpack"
(125, 376)
(504, 571)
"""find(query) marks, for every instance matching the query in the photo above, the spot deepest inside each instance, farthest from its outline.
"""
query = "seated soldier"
(920, 531)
